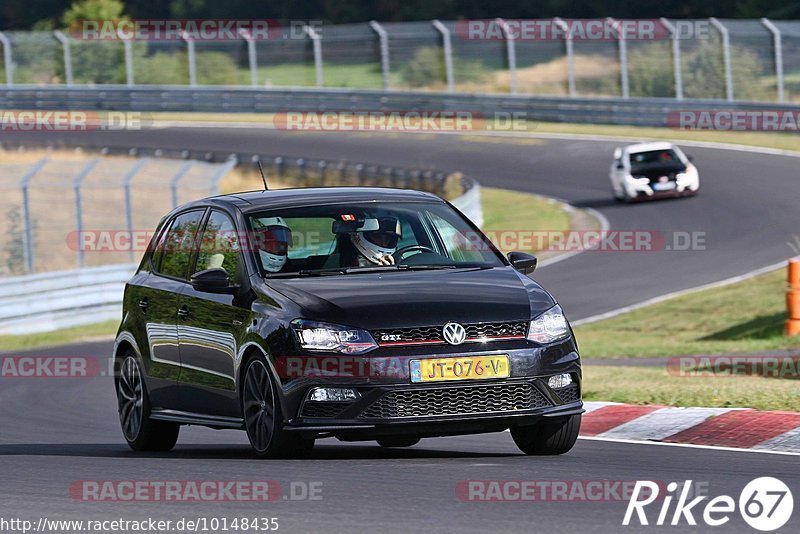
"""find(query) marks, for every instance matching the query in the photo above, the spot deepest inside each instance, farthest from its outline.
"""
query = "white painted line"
(591, 406)
(667, 296)
(604, 227)
(788, 441)
(687, 445)
(662, 423)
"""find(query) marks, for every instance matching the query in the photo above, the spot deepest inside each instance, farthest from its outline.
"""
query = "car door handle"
(143, 304)
(183, 312)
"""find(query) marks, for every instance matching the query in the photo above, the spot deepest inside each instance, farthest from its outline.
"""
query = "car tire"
(397, 442)
(548, 437)
(263, 418)
(141, 432)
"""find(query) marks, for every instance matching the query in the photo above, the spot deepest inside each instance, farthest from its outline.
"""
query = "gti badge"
(454, 333)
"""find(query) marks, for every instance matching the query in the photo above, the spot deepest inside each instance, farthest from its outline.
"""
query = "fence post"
(67, 55)
(778, 47)
(447, 46)
(511, 52)
(676, 57)
(128, 46)
(7, 62)
(316, 41)
(251, 55)
(570, 55)
(27, 236)
(384, 45)
(76, 188)
(622, 44)
(220, 173)
(173, 183)
(126, 184)
(726, 57)
(192, 59)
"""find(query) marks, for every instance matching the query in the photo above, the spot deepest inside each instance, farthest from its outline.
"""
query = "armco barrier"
(631, 111)
(49, 301)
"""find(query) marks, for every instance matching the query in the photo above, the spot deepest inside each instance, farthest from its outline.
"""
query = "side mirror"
(213, 281)
(620, 166)
(523, 262)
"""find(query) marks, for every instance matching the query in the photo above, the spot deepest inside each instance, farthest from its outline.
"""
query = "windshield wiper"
(375, 269)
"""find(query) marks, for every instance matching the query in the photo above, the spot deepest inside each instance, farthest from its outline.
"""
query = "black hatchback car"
(355, 313)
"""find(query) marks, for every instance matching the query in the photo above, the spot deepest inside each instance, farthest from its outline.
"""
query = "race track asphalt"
(56, 432)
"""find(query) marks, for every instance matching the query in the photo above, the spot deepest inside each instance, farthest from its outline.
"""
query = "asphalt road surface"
(56, 433)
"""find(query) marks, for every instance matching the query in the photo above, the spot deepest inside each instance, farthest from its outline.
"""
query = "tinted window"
(178, 244)
(219, 245)
(333, 236)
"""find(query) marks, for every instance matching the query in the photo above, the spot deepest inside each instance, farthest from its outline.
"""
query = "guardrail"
(630, 111)
(49, 301)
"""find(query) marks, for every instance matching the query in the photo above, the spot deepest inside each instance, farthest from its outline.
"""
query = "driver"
(376, 247)
(272, 239)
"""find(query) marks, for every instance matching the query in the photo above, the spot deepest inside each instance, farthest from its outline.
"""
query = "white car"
(650, 170)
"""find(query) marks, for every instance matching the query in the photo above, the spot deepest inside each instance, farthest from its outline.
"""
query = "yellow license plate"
(459, 368)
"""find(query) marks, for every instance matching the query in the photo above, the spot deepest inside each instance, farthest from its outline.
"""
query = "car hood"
(417, 298)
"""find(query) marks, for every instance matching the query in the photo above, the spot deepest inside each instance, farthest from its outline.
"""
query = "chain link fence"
(743, 60)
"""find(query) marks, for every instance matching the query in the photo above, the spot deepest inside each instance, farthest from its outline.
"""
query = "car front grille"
(322, 410)
(433, 334)
(569, 394)
(461, 400)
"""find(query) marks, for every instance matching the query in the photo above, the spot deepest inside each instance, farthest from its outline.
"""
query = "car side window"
(178, 245)
(219, 245)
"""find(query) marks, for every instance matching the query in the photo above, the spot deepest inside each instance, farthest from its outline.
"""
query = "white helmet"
(273, 238)
(376, 244)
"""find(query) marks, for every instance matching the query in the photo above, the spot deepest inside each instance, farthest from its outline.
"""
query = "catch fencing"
(721, 59)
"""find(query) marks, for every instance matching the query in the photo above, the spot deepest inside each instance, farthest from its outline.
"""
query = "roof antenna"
(263, 178)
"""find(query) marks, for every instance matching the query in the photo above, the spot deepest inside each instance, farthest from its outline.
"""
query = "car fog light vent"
(560, 381)
(332, 394)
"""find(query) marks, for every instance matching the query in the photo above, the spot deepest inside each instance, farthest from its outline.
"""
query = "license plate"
(459, 368)
(663, 186)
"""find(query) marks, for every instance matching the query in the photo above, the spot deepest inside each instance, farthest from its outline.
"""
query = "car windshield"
(653, 157)
(365, 237)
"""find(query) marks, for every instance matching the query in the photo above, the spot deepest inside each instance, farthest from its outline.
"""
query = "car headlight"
(313, 335)
(549, 326)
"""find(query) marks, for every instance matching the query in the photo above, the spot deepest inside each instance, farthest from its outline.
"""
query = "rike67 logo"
(765, 504)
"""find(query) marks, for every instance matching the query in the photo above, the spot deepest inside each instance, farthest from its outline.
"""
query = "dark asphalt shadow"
(327, 451)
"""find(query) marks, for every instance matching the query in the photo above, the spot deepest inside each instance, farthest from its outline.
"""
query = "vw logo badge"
(454, 333)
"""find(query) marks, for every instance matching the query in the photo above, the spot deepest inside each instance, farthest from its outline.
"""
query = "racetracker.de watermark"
(193, 29)
(580, 29)
(53, 366)
(766, 365)
(431, 120)
(193, 491)
(105, 241)
(553, 490)
(735, 120)
(72, 121)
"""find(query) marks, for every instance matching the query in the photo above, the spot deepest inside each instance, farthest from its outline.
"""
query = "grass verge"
(59, 337)
(744, 317)
(652, 385)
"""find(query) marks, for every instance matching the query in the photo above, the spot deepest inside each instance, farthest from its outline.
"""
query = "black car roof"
(310, 196)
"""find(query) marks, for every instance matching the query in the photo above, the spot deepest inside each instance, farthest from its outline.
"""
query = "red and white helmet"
(375, 244)
(272, 240)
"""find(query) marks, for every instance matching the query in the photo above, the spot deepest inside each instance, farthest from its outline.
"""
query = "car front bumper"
(389, 406)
